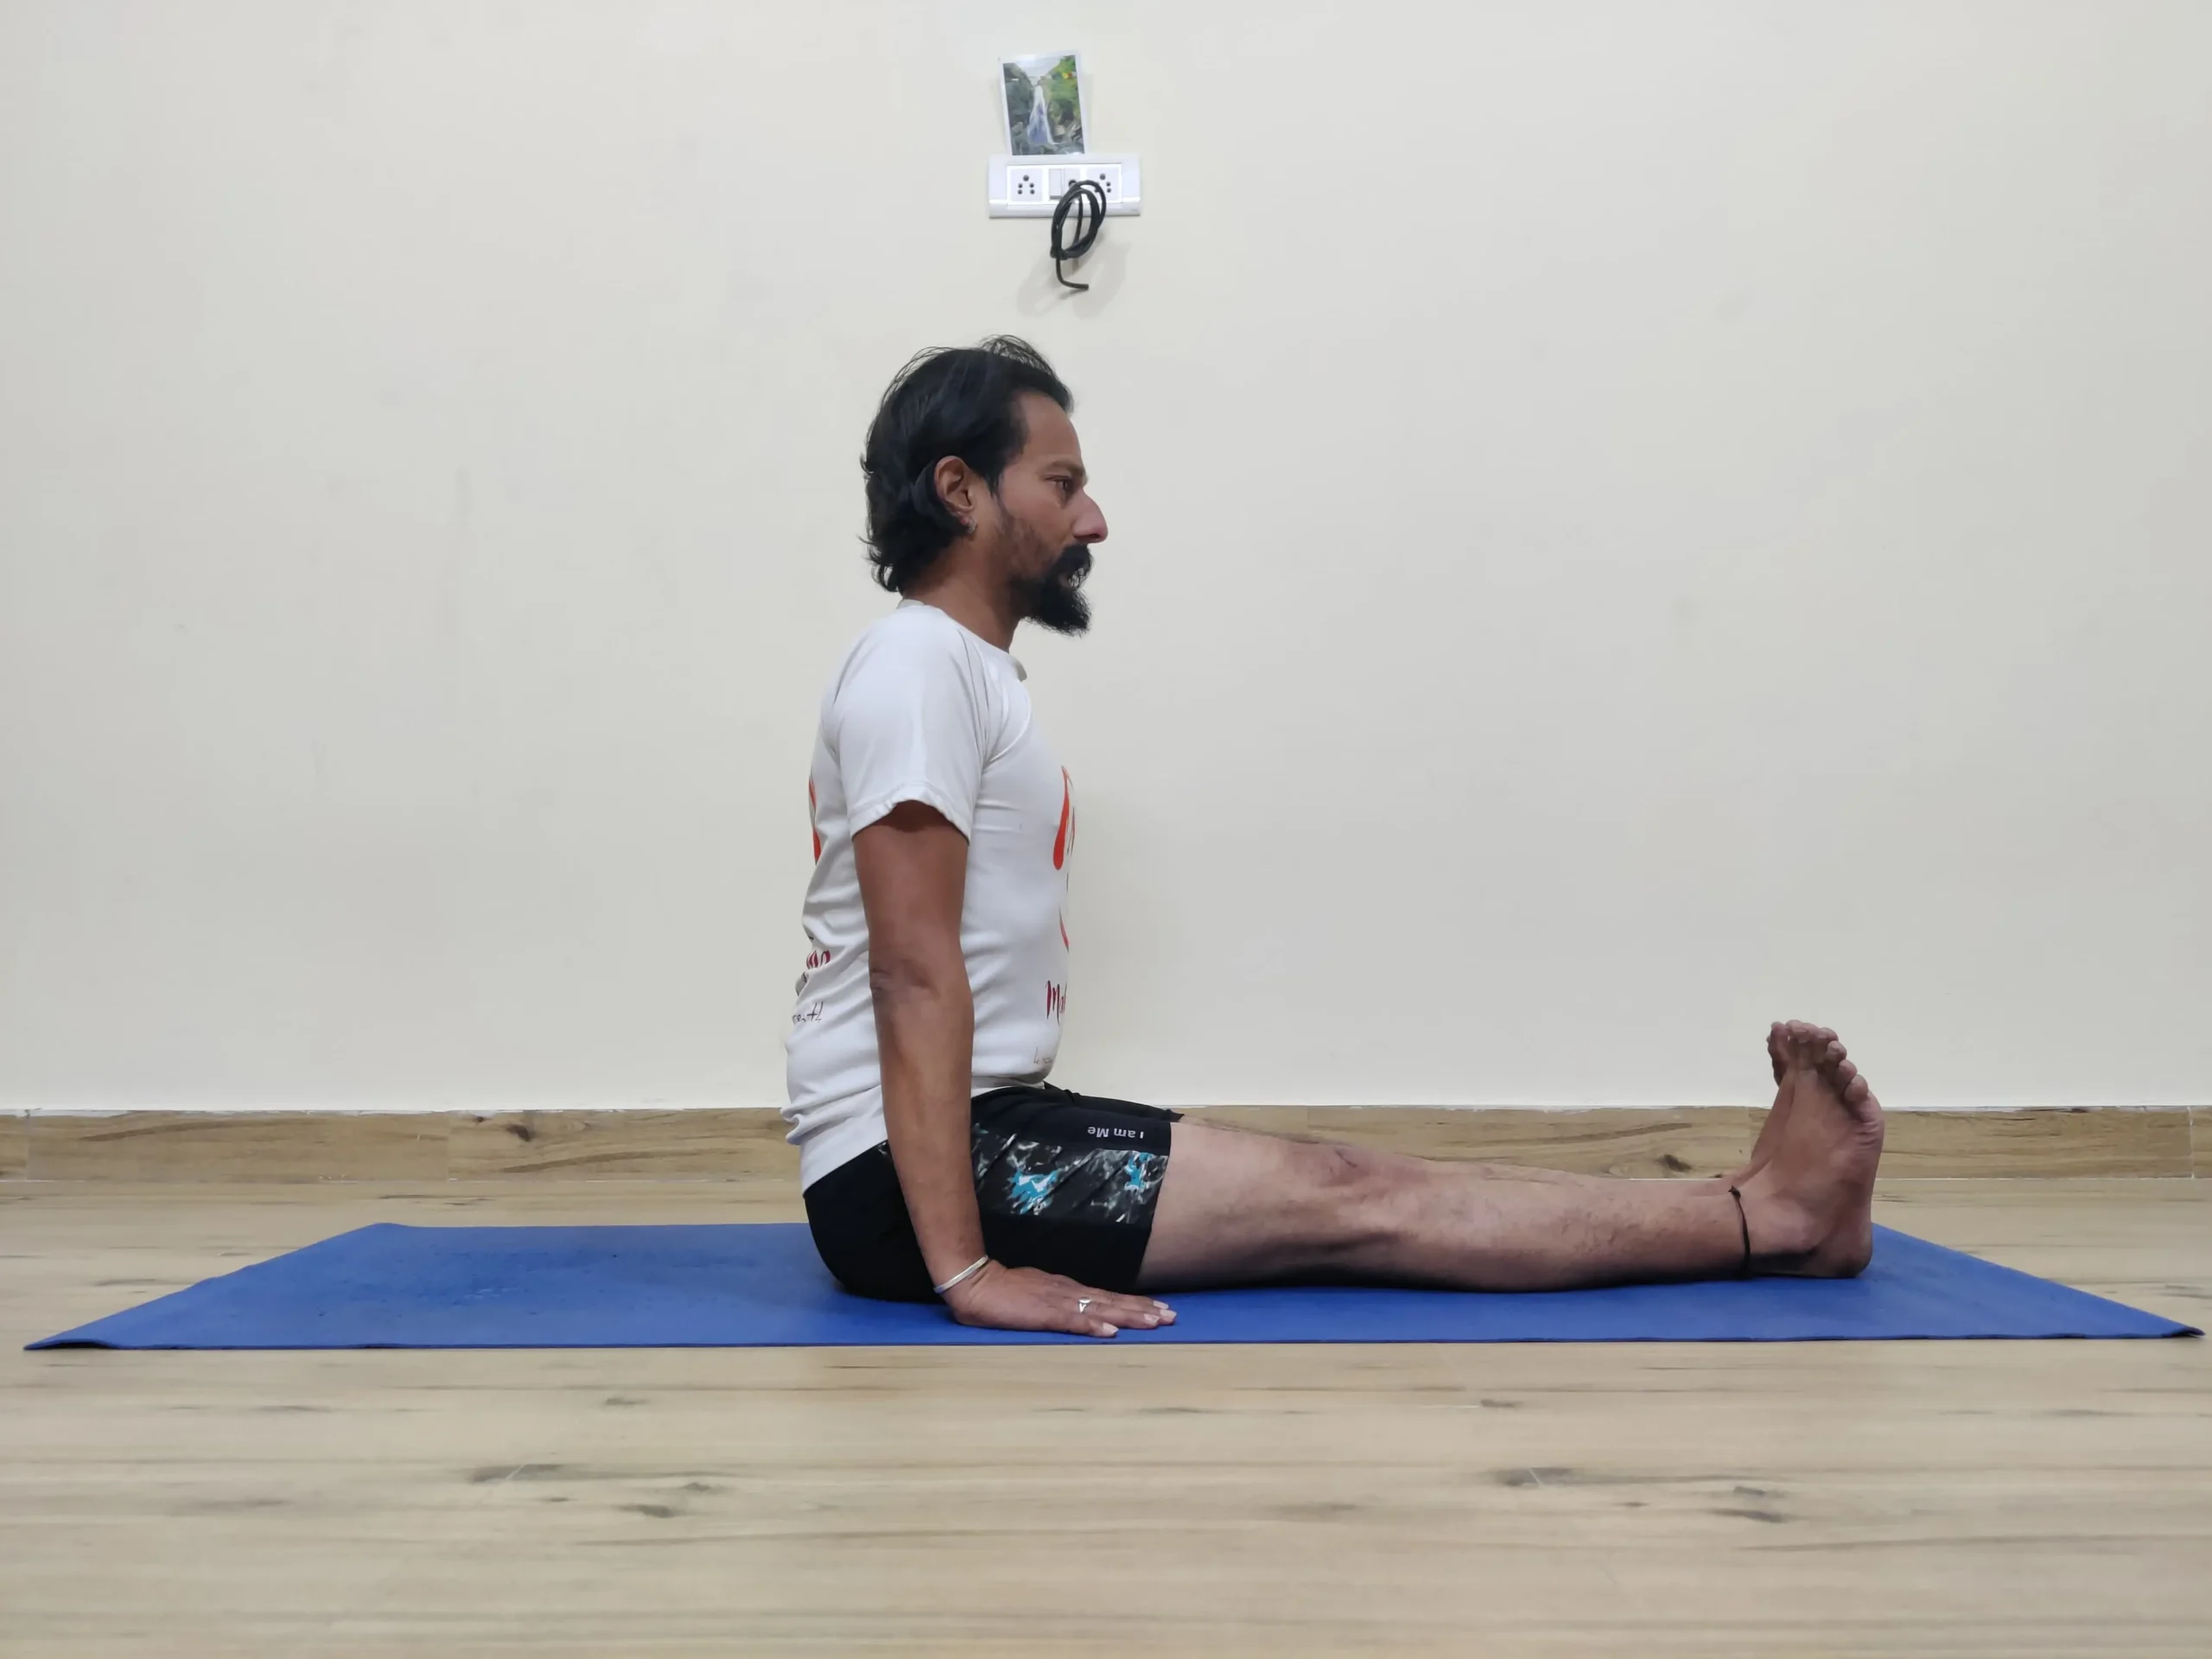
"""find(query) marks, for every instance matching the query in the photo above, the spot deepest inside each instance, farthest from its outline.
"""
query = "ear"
(957, 486)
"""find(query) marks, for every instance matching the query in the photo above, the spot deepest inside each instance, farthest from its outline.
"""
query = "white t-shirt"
(924, 710)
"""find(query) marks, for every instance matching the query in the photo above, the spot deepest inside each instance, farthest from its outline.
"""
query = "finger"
(1094, 1315)
(1140, 1311)
(1122, 1312)
(1128, 1307)
(1130, 1302)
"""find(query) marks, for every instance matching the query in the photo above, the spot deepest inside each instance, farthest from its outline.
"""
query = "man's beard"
(1055, 599)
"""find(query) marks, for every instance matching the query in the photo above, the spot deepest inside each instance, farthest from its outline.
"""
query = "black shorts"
(1064, 1182)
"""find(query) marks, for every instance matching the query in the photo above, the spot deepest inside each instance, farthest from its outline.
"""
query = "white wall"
(1628, 519)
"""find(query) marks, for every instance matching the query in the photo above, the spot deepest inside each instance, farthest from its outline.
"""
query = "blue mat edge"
(83, 1337)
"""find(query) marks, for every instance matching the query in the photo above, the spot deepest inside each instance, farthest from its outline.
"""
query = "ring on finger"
(1083, 1303)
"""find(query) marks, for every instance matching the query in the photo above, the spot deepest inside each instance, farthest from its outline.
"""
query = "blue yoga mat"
(762, 1287)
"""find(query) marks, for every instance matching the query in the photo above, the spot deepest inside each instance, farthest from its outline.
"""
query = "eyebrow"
(1081, 477)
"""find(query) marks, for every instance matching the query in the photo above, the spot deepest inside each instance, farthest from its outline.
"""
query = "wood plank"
(193, 1146)
(2102, 1142)
(1669, 1499)
(1296, 1121)
(741, 1143)
(1688, 1141)
(701, 1143)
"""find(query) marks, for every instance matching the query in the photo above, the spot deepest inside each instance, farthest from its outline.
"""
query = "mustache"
(1070, 569)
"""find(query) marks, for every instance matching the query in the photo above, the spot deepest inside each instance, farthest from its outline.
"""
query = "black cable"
(1087, 202)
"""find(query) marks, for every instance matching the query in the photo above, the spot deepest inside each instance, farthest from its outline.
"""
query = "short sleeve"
(906, 723)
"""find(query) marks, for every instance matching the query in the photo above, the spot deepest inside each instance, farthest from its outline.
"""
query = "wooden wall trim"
(732, 1143)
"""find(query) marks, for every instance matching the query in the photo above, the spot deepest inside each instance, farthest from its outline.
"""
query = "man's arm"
(913, 875)
(913, 871)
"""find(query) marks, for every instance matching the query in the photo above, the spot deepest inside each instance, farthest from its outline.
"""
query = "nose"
(1089, 524)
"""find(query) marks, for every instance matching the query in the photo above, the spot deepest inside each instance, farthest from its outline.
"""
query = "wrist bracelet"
(964, 1275)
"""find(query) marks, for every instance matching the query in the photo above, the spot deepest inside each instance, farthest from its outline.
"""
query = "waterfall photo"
(1044, 104)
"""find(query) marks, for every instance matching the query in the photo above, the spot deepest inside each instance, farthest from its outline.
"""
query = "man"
(937, 1161)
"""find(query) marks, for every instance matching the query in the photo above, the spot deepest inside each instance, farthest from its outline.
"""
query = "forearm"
(926, 1036)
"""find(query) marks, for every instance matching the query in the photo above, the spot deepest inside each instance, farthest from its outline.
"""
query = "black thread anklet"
(1743, 1272)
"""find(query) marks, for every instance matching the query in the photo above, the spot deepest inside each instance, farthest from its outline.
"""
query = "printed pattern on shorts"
(1018, 1175)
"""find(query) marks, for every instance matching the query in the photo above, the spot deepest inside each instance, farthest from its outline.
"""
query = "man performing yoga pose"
(936, 1160)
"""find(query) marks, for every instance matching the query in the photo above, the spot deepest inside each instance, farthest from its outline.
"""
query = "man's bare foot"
(1777, 1117)
(1810, 1209)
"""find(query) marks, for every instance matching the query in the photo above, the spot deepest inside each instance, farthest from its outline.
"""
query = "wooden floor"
(1820, 1498)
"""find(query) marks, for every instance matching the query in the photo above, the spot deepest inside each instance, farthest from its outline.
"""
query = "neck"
(957, 591)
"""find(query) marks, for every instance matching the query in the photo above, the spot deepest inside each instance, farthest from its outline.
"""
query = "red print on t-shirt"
(1063, 842)
(810, 820)
(1060, 848)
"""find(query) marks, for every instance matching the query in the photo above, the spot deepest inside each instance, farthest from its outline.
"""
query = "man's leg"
(1239, 1208)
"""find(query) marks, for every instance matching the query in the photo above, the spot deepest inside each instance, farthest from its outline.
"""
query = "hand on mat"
(1026, 1299)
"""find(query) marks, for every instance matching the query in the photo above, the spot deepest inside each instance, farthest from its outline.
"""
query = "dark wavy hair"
(954, 400)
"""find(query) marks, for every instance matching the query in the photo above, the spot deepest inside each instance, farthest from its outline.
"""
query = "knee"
(1358, 1196)
(1349, 1169)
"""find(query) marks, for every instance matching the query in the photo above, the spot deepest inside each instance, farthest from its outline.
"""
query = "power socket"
(1033, 187)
